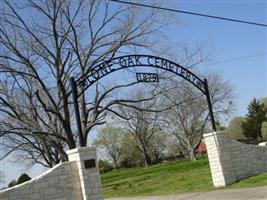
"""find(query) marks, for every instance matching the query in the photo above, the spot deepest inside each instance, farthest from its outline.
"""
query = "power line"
(192, 13)
(235, 59)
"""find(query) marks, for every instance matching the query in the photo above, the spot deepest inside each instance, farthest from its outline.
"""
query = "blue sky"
(228, 40)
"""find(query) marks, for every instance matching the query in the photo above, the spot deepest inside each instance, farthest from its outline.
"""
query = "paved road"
(223, 194)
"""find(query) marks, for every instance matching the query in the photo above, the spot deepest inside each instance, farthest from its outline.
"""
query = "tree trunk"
(147, 159)
(191, 152)
(116, 164)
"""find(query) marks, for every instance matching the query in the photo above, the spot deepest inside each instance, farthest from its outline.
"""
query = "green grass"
(169, 178)
(253, 181)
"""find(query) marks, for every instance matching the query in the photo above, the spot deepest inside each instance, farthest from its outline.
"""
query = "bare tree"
(188, 119)
(141, 121)
(109, 139)
(43, 44)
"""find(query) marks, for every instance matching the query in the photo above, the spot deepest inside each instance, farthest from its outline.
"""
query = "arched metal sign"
(123, 62)
(138, 60)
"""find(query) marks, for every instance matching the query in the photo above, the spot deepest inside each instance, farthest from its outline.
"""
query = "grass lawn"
(254, 181)
(169, 178)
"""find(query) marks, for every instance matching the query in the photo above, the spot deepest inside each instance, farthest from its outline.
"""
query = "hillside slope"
(168, 178)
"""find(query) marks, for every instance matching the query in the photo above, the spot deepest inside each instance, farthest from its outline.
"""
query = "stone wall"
(231, 161)
(60, 182)
(67, 181)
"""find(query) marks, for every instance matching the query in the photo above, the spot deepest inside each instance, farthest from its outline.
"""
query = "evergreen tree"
(253, 120)
(12, 183)
(23, 178)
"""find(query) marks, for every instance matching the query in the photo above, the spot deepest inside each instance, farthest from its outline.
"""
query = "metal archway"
(137, 60)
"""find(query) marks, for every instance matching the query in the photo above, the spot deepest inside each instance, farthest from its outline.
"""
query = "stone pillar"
(221, 166)
(89, 175)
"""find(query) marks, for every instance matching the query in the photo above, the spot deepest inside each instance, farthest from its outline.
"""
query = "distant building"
(202, 148)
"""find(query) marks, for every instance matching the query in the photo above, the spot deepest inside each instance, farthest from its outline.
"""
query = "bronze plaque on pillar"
(89, 163)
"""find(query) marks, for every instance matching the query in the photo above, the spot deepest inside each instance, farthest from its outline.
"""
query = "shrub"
(12, 183)
(23, 178)
(104, 166)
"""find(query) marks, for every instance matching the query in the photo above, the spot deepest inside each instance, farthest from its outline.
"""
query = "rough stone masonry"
(231, 161)
(71, 180)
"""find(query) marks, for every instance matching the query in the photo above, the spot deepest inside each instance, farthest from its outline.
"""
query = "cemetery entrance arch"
(137, 60)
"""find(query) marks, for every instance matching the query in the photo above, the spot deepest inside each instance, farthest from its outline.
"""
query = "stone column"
(89, 175)
(221, 166)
